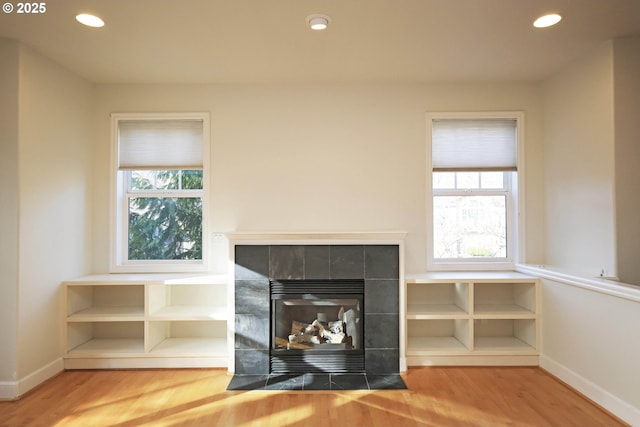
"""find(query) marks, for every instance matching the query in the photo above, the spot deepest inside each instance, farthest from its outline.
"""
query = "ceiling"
(223, 41)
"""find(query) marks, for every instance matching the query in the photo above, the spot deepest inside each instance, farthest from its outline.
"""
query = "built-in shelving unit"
(146, 321)
(472, 318)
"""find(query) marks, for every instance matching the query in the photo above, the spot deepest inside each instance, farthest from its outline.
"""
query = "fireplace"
(375, 266)
(317, 326)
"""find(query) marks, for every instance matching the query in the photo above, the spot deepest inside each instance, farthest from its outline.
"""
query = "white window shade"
(160, 144)
(474, 145)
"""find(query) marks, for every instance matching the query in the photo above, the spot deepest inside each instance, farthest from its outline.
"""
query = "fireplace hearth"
(277, 351)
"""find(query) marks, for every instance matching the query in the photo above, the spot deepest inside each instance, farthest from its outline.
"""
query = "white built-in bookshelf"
(146, 321)
(472, 318)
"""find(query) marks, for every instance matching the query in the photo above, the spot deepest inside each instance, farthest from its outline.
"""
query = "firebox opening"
(317, 326)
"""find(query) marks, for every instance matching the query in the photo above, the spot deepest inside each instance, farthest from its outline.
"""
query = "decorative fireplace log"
(303, 333)
(331, 337)
(283, 343)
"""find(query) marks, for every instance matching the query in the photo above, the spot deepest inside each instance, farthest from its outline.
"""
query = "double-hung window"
(474, 189)
(160, 182)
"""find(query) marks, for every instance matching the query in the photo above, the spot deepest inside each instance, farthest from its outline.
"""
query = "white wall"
(579, 166)
(591, 157)
(627, 156)
(591, 340)
(319, 157)
(54, 168)
(9, 56)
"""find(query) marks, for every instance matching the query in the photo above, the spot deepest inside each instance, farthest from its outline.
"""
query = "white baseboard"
(602, 397)
(10, 390)
(144, 362)
(473, 360)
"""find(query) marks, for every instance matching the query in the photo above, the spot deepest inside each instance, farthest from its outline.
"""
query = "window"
(473, 182)
(160, 176)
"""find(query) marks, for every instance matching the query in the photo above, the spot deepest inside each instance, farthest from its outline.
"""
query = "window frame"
(514, 200)
(120, 194)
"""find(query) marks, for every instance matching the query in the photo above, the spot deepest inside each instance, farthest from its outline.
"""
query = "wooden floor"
(451, 396)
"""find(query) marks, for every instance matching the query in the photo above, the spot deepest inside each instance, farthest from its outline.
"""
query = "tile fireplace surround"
(256, 264)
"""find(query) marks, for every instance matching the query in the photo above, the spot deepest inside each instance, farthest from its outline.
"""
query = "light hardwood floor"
(448, 396)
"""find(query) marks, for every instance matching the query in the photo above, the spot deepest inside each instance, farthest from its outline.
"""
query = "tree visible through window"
(164, 228)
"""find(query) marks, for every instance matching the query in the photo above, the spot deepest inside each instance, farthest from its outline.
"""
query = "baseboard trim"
(145, 362)
(11, 390)
(618, 407)
(473, 360)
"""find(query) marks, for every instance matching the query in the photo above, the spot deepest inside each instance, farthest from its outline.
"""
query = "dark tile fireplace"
(316, 288)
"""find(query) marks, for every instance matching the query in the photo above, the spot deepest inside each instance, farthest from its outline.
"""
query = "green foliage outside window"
(165, 228)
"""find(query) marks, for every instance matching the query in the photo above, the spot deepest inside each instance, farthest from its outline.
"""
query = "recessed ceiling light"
(90, 20)
(318, 22)
(547, 20)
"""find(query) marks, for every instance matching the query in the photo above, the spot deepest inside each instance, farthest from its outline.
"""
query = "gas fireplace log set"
(316, 333)
(307, 336)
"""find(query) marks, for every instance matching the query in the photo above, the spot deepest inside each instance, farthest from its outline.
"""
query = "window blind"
(474, 145)
(160, 144)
